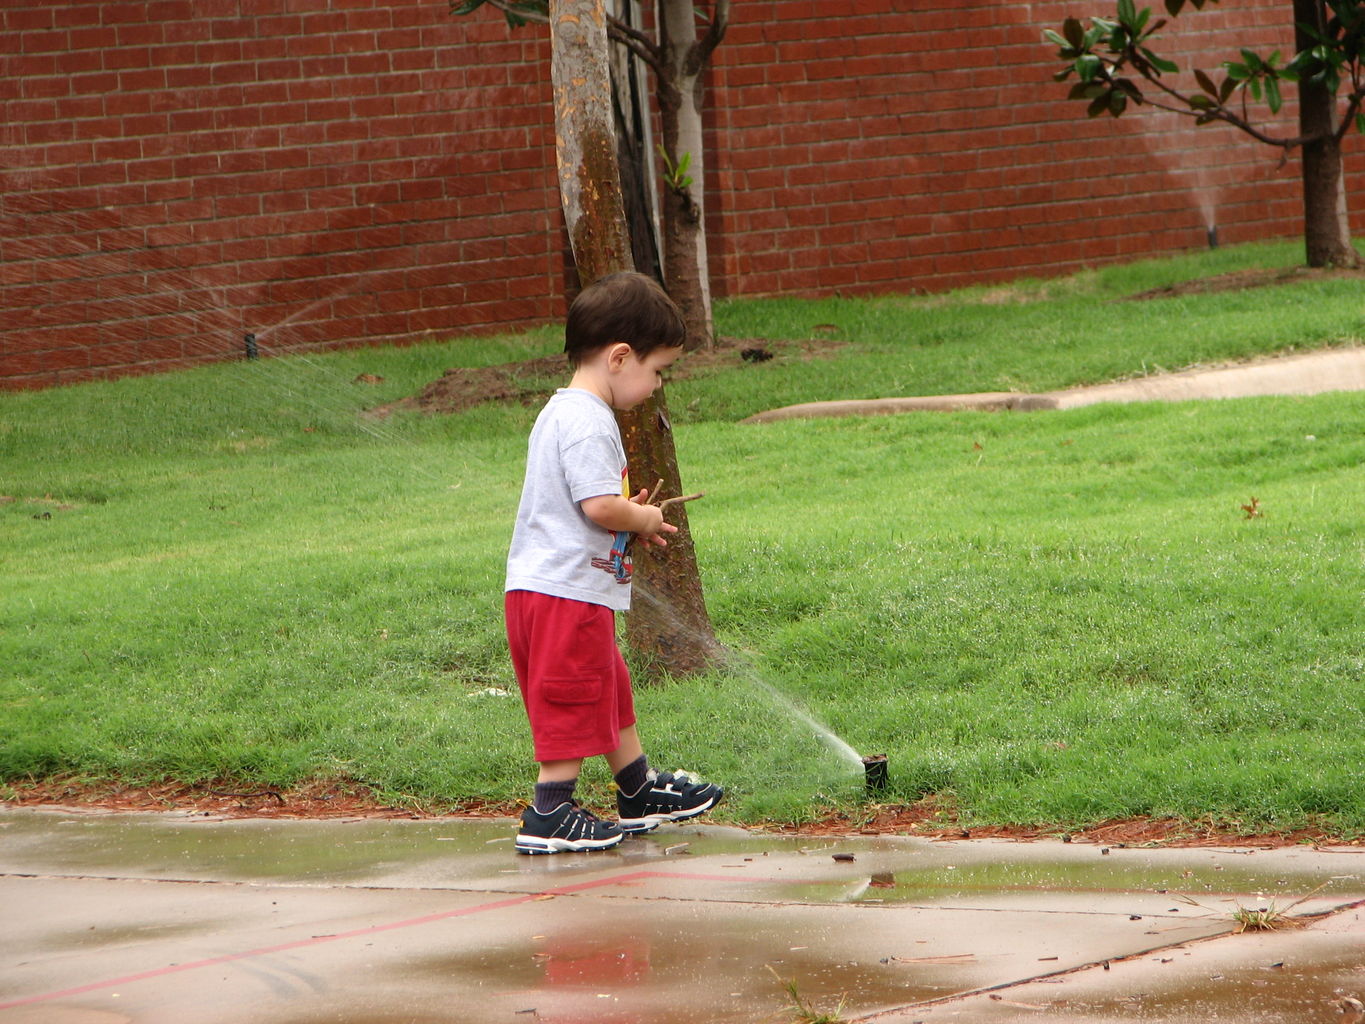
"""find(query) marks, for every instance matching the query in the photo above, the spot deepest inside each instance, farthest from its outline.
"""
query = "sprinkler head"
(251, 352)
(1212, 234)
(874, 768)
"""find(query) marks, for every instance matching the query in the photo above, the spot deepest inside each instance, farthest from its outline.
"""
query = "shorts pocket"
(577, 690)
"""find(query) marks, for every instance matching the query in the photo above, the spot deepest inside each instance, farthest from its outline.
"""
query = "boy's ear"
(617, 353)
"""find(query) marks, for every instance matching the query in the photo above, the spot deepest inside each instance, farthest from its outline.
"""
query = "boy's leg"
(629, 766)
(542, 634)
(555, 784)
(628, 751)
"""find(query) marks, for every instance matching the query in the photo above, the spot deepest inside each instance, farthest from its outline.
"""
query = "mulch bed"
(530, 381)
(1241, 280)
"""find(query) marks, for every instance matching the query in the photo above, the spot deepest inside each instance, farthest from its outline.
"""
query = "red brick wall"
(177, 173)
(924, 146)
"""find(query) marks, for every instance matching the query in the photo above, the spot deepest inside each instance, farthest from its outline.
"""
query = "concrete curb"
(1310, 373)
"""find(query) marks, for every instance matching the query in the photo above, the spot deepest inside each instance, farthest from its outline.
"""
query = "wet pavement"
(174, 918)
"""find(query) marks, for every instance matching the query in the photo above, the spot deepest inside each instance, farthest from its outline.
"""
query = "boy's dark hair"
(627, 307)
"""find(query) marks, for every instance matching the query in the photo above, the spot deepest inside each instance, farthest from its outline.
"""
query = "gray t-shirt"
(574, 453)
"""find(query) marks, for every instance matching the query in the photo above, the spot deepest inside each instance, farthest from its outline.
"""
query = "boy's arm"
(632, 515)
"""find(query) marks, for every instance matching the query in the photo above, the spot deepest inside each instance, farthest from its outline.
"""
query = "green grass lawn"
(1043, 618)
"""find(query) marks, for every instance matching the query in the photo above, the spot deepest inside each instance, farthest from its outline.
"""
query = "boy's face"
(634, 378)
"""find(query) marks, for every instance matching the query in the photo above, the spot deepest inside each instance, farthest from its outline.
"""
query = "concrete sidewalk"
(1308, 373)
(172, 918)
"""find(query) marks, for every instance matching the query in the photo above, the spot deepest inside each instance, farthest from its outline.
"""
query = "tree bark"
(679, 94)
(668, 623)
(585, 142)
(1326, 227)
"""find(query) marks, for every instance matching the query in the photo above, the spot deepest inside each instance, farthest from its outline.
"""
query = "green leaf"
(1237, 72)
(1074, 32)
(1088, 67)
(468, 7)
(1118, 103)
(1160, 63)
(1173, 7)
(1360, 123)
(1055, 39)
(1129, 89)
(1127, 13)
(1272, 95)
(1198, 102)
(1253, 61)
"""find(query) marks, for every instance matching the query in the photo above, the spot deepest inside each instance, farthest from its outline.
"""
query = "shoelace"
(584, 811)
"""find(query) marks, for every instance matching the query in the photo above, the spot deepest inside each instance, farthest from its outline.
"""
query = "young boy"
(569, 569)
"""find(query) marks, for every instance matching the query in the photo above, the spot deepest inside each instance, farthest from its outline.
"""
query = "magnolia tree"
(1115, 69)
(678, 54)
(668, 622)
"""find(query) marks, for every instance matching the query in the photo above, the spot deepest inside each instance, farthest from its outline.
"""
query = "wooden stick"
(678, 501)
(654, 494)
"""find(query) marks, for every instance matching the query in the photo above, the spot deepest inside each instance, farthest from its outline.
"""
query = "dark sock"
(550, 795)
(632, 778)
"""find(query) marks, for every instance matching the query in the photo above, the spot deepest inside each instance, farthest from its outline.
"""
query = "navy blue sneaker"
(567, 827)
(667, 796)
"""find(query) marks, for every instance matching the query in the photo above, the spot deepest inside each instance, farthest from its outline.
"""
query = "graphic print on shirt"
(618, 561)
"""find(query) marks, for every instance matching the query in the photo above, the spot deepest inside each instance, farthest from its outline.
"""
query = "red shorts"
(573, 680)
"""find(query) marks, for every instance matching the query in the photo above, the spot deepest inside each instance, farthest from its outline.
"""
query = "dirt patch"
(927, 819)
(530, 381)
(1242, 280)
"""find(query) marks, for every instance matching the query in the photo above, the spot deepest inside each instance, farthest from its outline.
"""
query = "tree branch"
(1217, 113)
(1353, 103)
(518, 12)
(636, 42)
(618, 31)
(715, 32)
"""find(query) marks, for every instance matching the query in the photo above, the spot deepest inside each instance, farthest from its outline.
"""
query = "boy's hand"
(631, 515)
(653, 525)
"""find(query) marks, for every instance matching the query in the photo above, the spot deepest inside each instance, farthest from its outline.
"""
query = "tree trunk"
(680, 99)
(1326, 228)
(585, 142)
(668, 621)
(631, 110)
